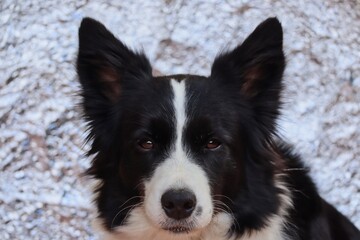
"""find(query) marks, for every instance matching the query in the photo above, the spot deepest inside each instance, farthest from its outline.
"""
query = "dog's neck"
(138, 227)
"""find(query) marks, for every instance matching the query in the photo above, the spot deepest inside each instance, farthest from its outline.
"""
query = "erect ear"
(255, 68)
(106, 68)
(105, 64)
(257, 64)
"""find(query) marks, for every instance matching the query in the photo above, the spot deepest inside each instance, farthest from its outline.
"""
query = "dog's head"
(173, 152)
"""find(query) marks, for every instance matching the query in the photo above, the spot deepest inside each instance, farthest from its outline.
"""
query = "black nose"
(178, 204)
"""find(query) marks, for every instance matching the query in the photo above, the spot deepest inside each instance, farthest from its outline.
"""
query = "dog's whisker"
(227, 210)
(220, 195)
(121, 210)
(220, 203)
(128, 200)
(295, 169)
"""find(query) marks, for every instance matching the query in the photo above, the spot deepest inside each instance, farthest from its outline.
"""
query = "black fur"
(238, 104)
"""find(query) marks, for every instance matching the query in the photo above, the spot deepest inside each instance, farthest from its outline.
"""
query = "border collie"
(196, 157)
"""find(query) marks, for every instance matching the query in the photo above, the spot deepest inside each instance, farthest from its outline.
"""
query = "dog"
(193, 157)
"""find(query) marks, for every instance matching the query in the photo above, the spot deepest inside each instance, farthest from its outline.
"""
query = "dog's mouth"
(178, 229)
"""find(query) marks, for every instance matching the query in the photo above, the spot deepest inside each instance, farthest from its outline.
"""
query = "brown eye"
(212, 144)
(146, 144)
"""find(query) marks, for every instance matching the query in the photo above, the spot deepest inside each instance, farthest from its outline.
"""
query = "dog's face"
(173, 152)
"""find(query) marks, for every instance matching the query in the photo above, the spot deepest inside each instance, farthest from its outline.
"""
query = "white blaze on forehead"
(179, 102)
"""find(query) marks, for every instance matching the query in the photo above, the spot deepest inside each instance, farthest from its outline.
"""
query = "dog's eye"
(146, 144)
(213, 144)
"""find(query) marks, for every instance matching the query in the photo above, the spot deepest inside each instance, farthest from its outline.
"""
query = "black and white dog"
(194, 157)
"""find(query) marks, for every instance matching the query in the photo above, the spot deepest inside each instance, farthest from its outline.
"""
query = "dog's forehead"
(193, 84)
(201, 96)
(195, 89)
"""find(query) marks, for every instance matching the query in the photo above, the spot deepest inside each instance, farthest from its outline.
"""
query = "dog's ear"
(105, 64)
(255, 68)
(106, 68)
